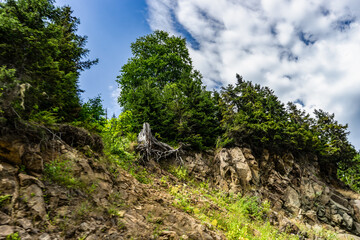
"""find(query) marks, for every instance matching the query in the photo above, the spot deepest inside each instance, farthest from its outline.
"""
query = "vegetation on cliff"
(41, 57)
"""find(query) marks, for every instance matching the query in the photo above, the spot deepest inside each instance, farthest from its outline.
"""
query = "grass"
(237, 216)
(60, 171)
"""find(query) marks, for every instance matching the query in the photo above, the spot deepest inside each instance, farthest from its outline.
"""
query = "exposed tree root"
(151, 148)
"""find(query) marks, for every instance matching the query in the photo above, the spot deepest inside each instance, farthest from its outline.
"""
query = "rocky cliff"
(295, 186)
(51, 190)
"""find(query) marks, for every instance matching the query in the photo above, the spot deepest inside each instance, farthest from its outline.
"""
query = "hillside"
(51, 190)
(233, 162)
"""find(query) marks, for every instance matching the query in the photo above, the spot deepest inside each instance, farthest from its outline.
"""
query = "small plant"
(60, 171)
(84, 209)
(180, 172)
(113, 211)
(13, 236)
(5, 199)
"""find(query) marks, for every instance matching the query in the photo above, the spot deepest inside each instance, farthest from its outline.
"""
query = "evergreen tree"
(159, 85)
(39, 41)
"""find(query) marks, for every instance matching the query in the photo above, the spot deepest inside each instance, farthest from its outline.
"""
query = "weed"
(84, 209)
(60, 171)
(180, 172)
(13, 236)
(5, 199)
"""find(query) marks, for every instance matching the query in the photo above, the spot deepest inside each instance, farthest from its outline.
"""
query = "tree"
(39, 42)
(251, 114)
(160, 86)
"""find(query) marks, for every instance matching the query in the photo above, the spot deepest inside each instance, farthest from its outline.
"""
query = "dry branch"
(151, 148)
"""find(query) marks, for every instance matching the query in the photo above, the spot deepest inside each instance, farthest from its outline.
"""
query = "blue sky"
(306, 50)
(111, 26)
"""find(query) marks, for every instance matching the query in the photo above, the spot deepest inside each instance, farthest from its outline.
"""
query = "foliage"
(4, 199)
(119, 140)
(253, 115)
(13, 236)
(350, 173)
(159, 86)
(60, 171)
(92, 115)
(180, 172)
(239, 217)
(38, 41)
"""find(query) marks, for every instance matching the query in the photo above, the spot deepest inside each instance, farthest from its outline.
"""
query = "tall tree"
(39, 41)
(160, 86)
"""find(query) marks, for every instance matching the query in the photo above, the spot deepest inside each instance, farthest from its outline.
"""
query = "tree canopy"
(159, 85)
(38, 42)
(251, 114)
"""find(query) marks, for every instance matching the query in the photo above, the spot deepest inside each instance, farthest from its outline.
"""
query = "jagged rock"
(27, 180)
(292, 200)
(234, 171)
(312, 216)
(348, 221)
(25, 223)
(12, 151)
(357, 228)
(356, 206)
(347, 237)
(6, 230)
(33, 162)
(336, 197)
(7, 178)
(4, 218)
(33, 196)
(44, 236)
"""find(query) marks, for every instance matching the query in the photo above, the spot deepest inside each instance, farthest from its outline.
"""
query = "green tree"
(349, 173)
(335, 148)
(251, 114)
(159, 85)
(39, 41)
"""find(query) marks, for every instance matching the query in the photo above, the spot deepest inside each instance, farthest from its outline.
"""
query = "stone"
(33, 162)
(235, 173)
(12, 151)
(337, 206)
(348, 221)
(26, 180)
(6, 230)
(356, 205)
(7, 179)
(308, 191)
(311, 215)
(292, 200)
(34, 199)
(357, 228)
(347, 237)
(44, 236)
(337, 219)
(25, 223)
(340, 200)
(4, 219)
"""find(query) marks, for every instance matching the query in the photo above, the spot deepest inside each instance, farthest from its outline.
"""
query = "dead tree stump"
(151, 148)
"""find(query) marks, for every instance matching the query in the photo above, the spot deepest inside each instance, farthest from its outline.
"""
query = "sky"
(307, 51)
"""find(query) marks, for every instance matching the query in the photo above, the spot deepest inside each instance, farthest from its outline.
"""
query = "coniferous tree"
(159, 85)
(39, 42)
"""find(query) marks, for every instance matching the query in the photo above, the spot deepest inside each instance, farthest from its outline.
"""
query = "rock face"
(63, 193)
(293, 185)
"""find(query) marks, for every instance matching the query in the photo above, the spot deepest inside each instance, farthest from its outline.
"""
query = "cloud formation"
(306, 50)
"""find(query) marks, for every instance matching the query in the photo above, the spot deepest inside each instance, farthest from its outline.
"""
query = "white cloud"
(303, 49)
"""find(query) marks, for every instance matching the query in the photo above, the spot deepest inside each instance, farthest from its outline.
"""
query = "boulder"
(12, 151)
(7, 179)
(33, 196)
(292, 200)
